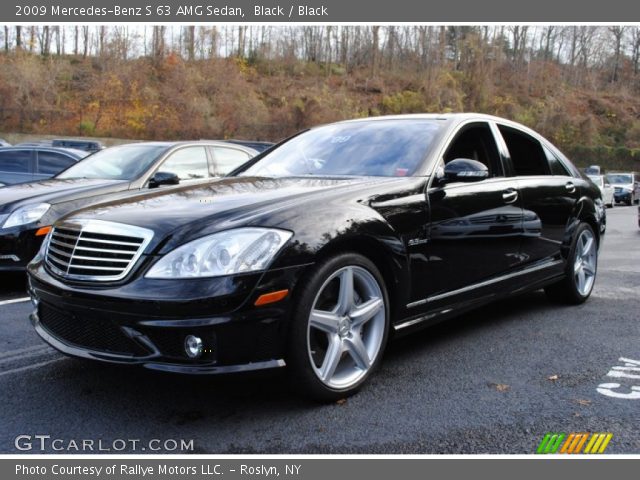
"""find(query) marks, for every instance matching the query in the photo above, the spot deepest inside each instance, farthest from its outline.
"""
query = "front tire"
(339, 328)
(582, 266)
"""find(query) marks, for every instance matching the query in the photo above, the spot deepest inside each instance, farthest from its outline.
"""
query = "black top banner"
(311, 11)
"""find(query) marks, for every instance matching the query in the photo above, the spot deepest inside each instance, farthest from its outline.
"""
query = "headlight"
(224, 253)
(27, 214)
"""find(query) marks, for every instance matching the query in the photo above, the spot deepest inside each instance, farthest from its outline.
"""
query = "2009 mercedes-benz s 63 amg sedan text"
(313, 254)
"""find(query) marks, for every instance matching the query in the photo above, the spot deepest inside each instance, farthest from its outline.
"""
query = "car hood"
(56, 191)
(227, 202)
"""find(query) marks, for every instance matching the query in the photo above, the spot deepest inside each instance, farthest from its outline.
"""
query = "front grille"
(92, 334)
(95, 250)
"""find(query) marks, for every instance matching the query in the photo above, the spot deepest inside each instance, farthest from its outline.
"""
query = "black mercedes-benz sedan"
(28, 210)
(313, 255)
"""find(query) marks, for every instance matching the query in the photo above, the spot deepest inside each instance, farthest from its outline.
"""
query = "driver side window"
(476, 142)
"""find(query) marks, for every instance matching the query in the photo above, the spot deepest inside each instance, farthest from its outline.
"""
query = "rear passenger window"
(50, 163)
(228, 159)
(15, 161)
(526, 153)
(556, 166)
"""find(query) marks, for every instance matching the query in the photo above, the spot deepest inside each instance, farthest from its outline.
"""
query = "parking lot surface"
(495, 380)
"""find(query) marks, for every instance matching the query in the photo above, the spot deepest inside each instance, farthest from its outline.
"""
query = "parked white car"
(606, 188)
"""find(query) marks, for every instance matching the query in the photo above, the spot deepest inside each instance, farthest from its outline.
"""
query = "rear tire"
(339, 329)
(580, 274)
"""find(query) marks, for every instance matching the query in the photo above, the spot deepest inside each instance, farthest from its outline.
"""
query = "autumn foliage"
(590, 109)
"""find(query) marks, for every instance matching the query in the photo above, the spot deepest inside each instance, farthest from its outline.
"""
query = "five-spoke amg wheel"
(582, 266)
(339, 328)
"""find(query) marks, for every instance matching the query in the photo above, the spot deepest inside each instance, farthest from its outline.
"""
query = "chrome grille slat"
(110, 242)
(93, 267)
(61, 235)
(59, 252)
(62, 244)
(105, 250)
(74, 249)
(101, 259)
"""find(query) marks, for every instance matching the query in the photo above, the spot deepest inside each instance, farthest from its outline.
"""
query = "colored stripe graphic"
(550, 443)
(597, 443)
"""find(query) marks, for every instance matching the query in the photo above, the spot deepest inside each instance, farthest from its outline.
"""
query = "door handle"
(571, 188)
(510, 196)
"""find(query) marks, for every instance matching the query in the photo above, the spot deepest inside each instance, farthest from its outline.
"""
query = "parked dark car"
(315, 253)
(79, 144)
(27, 210)
(30, 164)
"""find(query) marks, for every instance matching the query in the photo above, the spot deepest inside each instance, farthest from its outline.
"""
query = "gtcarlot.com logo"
(45, 443)
(574, 443)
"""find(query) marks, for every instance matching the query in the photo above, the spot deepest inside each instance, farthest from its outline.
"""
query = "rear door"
(548, 193)
(16, 166)
(475, 227)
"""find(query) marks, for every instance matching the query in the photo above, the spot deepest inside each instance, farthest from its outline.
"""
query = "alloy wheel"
(584, 268)
(346, 327)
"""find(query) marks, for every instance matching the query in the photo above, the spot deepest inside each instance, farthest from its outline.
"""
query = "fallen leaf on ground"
(581, 401)
(342, 401)
(501, 387)
(553, 377)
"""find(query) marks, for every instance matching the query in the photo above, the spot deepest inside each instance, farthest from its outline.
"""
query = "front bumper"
(622, 197)
(17, 247)
(145, 322)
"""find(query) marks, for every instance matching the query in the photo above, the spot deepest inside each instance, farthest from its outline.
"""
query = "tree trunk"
(18, 38)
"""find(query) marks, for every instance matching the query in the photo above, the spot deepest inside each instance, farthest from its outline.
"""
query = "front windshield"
(125, 162)
(386, 148)
(619, 178)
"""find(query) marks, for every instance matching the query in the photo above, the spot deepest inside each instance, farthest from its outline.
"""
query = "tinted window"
(476, 143)
(555, 165)
(228, 159)
(126, 162)
(188, 163)
(526, 153)
(15, 161)
(50, 163)
(385, 148)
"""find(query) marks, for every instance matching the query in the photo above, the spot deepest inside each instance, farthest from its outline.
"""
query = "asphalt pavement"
(495, 380)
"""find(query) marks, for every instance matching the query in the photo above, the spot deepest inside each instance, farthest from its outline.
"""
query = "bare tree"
(18, 37)
(617, 32)
(85, 41)
(375, 32)
(635, 49)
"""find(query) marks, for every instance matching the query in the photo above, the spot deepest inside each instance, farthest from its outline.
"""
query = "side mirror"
(163, 178)
(465, 170)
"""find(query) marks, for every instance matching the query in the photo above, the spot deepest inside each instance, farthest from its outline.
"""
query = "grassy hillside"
(174, 98)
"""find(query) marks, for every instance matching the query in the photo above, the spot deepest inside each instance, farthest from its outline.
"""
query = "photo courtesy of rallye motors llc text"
(142, 471)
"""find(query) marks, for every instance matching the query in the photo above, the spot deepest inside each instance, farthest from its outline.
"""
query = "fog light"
(193, 346)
